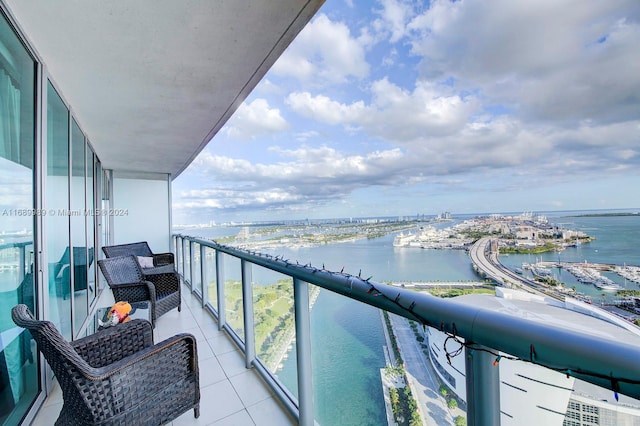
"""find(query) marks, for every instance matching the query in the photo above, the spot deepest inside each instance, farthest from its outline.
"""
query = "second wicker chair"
(128, 283)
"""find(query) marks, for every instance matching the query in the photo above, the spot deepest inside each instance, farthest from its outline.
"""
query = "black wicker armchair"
(162, 262)
(129, 283)
(118, 376)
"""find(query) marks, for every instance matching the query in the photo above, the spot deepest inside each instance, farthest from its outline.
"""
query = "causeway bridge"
(484, 256)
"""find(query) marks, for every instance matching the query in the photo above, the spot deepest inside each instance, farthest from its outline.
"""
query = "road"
(487, 261)
(424, 386)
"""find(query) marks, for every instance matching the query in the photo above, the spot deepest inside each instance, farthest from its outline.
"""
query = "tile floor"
(230, 393)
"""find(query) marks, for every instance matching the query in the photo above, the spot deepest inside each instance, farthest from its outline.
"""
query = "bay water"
(347, 337)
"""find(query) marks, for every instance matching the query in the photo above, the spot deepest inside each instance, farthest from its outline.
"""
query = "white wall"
(141, 212)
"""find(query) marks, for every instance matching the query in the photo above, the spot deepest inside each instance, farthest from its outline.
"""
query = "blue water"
(347, 336)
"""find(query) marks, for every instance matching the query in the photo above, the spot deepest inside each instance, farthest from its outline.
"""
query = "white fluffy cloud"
(324, 52)
(324, 109)
(395, 114)
(256, 119)
(551, 60)
(304, 176)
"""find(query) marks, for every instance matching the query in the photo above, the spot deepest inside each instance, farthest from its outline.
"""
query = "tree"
(416, 420)
(444, 390)
(452, 403)
(460, 421)
(393, 395)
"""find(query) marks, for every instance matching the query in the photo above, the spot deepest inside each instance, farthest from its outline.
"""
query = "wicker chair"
(162, 262)
(118, 376)
(129, 283)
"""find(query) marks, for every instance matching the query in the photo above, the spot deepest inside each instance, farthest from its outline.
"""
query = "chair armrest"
(160, 259)
(134, 292)
(168, 282)
(112, 344)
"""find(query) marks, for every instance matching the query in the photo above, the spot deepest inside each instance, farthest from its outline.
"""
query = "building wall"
(141, 212)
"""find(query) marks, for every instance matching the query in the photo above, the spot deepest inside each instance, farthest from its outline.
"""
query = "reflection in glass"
(91, 227)
(212, 285)
(19, 382)
(233, 294)
(273, 312)
(77, 218)
(196, 279)
(57, 201)
(186, 261)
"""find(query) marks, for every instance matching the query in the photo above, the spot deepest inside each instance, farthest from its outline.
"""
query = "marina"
(588, 273)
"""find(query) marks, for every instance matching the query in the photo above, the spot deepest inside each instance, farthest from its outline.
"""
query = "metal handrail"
(606, 363)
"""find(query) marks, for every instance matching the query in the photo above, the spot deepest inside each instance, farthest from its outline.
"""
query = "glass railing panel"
(211, 286)
(275, 333)
(233, 294)
(347, 357)
(186, 271)
(196, 279)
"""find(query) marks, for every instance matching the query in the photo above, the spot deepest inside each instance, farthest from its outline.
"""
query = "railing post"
(483, 386)
(247, 306)
(222, 317)
(303, 352)
(204, 282)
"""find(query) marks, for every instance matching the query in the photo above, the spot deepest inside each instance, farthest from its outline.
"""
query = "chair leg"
(180, 308)
(196, 412)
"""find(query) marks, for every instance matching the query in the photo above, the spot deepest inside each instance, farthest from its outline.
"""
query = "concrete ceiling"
(151, 81)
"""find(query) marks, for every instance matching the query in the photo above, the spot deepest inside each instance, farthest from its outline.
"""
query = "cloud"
(429, 110)
(325, 110)
(394, 113)
(552, 60)
(303, 176)
(256, 119)
(394, 17)
(324, 52)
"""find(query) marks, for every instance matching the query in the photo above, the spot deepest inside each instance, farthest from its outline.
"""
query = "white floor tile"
(241, 418)
(232, 363)
(269, 413)
(250, 387)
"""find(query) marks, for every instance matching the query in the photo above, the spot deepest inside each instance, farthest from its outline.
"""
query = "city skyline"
(398, 108)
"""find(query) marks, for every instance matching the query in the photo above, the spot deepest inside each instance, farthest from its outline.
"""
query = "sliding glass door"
(19, 381)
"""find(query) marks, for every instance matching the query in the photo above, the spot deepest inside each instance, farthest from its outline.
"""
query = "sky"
(398, 108)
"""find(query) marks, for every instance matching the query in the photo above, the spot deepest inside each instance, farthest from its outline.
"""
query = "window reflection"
(18, 366)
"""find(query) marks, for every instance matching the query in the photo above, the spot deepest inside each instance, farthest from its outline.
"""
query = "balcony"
(231, 394)
(240, 364)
